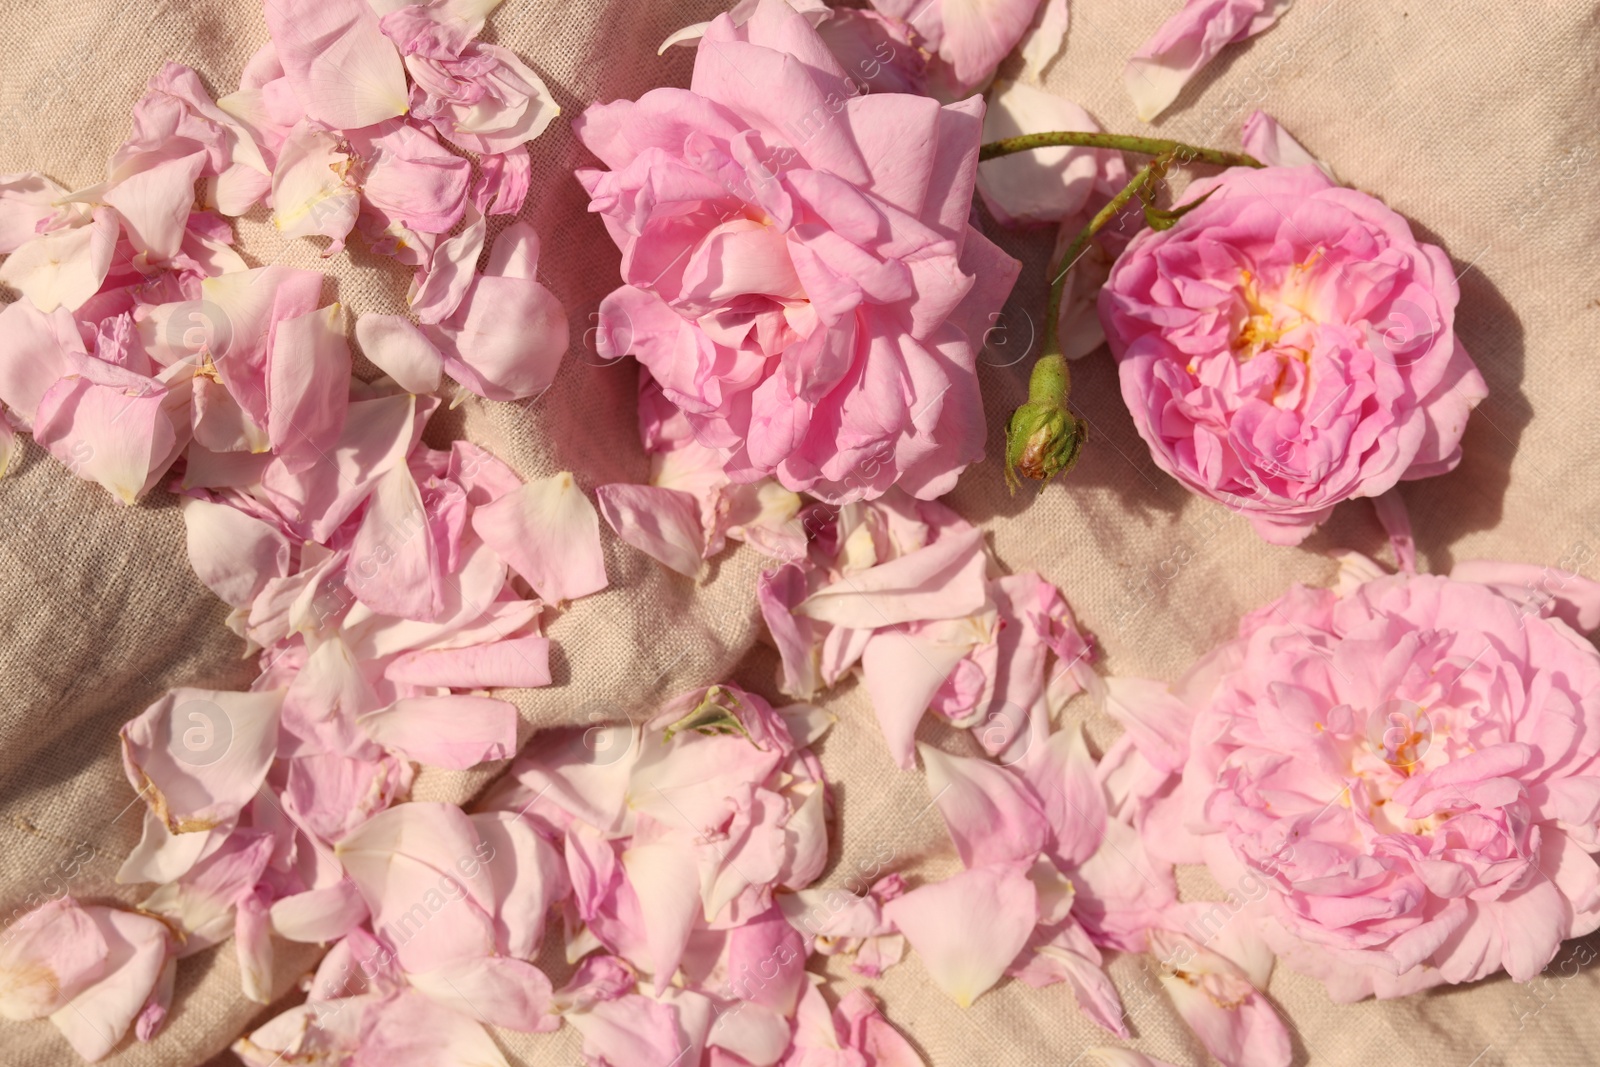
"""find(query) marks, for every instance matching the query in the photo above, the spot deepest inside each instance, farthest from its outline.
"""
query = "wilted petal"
(96, 1019)
(549, 533)
(998, 908)
(198, 755)
(47, 957)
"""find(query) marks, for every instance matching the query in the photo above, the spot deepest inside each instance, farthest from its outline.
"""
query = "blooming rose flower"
(1287, 345)
(1405, 776)
(800, 276)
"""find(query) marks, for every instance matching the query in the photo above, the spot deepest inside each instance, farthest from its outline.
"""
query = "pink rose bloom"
(1406, 777)
(1288, 345)
(800, 276)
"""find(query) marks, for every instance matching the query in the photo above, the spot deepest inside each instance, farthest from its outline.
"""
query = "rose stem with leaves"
(1043, 438)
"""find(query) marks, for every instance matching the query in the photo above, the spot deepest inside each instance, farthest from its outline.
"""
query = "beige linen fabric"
(1476, 121)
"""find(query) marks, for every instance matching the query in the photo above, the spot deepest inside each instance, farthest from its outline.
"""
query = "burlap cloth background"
(1478, 121)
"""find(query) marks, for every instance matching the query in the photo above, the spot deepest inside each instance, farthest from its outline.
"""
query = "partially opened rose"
(1288, 344)
(1406, 776)
(800, 276)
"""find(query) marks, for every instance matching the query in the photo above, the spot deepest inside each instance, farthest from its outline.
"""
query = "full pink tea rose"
(1399, 785)
(1287, 345)
(801, 279)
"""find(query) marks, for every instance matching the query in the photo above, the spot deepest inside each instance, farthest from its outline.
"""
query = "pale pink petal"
(439, 287)
(666, 878)
(1044, 185)
(308, 383)
(319, 916)
(452, 731)
(1235, 1023)
(200, 905)
(1275, 146)
(664, 524)
(1186, 42)
(47, 957)
(1158, 720)
(1063, 775)
(945, 580)
(394, 565)
(1045, 39)
(521, 662)
(421, 869)
(345, 72)
(36, 350)
(66, 267)
(902, 672)
(549, 533)
(991, 813)
(859, 1016)
(252, 941)
(506, 179)
(121, 437)
(496, 992)
(413, 1030)
(310, 194)
(528, 875)
(506, 338)
(154, 202)
(1566, 594)
(412, 179)
(234, 554)
(26, 199)
(95, 1020)
(400, 350)
(197, 756)
(998, 908)
(632, 1029)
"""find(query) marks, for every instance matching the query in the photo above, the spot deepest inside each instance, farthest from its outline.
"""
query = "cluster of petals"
(656, 851)
(690, 508)
(141, 336)
(1398, 779)
(904, 591)
(1288, 344)
(801, 279)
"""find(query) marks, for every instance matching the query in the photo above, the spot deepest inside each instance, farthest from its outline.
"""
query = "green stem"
(1150, 146)
(1058, 285)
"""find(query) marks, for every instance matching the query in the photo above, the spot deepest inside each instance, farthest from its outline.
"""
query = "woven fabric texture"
(1476, 121)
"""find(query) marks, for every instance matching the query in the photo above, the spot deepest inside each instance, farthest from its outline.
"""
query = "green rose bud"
(1043, 438)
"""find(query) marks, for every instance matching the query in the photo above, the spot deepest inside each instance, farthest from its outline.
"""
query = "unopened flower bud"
(1043, 438)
